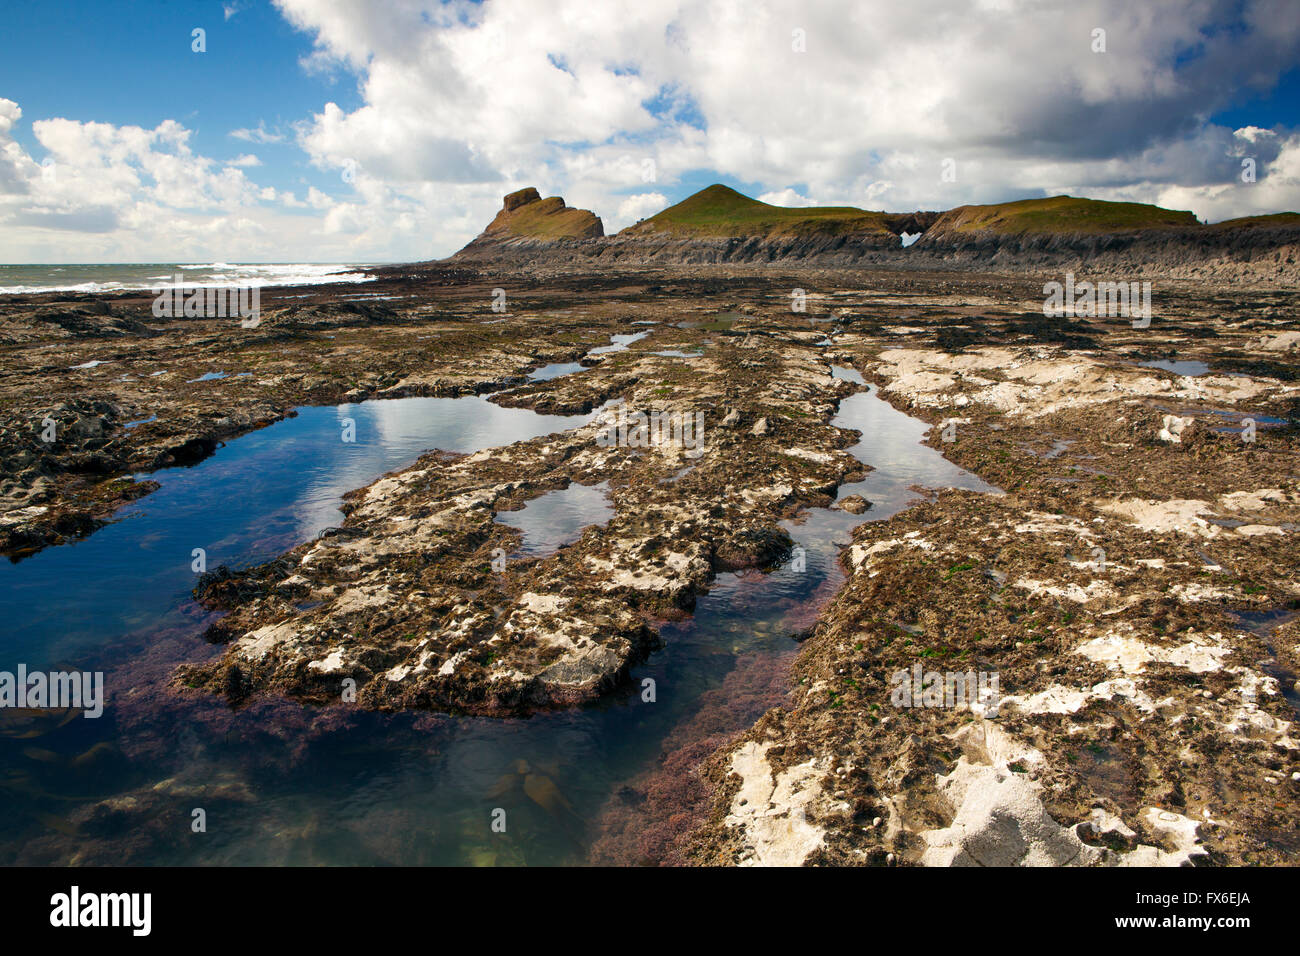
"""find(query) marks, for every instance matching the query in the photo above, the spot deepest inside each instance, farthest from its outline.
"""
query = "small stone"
(876, 822)
(760, 427)
(1172, 429)
(854, 504)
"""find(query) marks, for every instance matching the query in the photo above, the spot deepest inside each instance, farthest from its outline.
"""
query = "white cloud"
(317, 199)
(1276, 189)
(788, 197)
(126, 193)
(10, 113)
(635, 208)
(260, 134)
(610, 105)
(1013, 94)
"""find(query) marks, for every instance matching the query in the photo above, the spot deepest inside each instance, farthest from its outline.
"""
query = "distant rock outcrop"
(527, 223)
(1064, 232)
(720, 225)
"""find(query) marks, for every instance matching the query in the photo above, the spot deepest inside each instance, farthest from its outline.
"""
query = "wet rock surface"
(1132, 590)
(413, 601)
(1120, 592)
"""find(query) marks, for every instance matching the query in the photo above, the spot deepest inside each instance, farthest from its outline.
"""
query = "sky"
(389, 130)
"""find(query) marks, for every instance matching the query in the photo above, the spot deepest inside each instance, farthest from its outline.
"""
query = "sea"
(120, 277)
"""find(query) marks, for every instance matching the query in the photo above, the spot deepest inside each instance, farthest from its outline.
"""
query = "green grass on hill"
(721, 211)
(1063, 214)
(1274, 221)
(550, 219)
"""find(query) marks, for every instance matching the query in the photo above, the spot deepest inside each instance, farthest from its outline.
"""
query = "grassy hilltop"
(1061, 214)
(719, 212)
(526, 215)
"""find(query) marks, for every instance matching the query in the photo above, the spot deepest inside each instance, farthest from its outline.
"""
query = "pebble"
(854, 504)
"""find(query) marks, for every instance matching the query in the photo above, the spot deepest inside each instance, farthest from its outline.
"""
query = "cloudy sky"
(388, 130)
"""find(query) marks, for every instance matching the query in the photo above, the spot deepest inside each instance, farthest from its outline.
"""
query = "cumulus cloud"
(103, 192)
(1276, 188)
(786, 197)
(116, 165)
(863, 105)
(635, 208)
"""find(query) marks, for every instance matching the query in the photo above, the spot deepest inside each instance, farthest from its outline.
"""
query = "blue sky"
(92, 62)
(394, 128)
(1276, 105)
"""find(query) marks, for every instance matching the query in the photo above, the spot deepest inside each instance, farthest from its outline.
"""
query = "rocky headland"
(720, 225)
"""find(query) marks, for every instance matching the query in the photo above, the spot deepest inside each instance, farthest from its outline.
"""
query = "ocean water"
(286, 784)
(557, 518)
(1190, 367)
(121, 277)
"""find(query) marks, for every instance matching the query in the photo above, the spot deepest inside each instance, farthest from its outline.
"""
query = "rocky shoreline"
(1258, 257)
(1133, 589)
